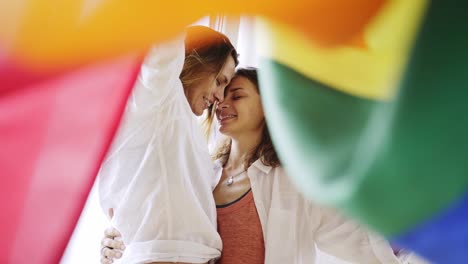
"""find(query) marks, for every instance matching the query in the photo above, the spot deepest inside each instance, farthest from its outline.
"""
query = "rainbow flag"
(63, 85)
(365, 100)
(380, 130)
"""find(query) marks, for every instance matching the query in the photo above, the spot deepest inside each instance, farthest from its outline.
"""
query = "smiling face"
(210, 88)
(241, 111)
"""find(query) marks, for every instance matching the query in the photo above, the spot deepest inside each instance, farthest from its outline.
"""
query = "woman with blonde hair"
(154, 180)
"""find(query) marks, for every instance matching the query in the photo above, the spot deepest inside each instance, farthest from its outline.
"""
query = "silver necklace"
(230, 181)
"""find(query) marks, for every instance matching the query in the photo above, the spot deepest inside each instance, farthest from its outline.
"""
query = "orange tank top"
(241, 232)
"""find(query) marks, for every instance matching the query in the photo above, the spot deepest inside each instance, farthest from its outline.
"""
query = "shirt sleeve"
(155, 86)
(157, 175)
(345, 239)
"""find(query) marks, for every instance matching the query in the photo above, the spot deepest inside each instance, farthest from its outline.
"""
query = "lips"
(224, 117)
(208, 103)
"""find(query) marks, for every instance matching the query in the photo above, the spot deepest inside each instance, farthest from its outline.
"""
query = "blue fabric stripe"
(444, 238)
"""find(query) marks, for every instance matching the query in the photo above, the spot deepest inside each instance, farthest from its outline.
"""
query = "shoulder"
(281, 176)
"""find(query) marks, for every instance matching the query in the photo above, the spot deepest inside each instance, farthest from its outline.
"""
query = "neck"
(241, 147)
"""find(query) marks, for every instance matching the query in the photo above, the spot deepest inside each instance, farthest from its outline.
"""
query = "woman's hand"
(112, 246)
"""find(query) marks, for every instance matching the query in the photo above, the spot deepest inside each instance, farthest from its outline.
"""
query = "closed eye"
(221, 80)
(232, 91)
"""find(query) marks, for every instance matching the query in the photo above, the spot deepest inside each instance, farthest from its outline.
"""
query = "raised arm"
(157, 83)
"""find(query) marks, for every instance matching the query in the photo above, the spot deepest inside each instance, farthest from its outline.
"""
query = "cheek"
(251, 116)
(203, 89)
(194, 93)
(214, 87)
(210, 83)
(259, 115)
(201, 93)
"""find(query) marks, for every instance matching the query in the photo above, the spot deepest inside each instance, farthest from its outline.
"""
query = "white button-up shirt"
(298, 231)
(157, 176)
(158, 179)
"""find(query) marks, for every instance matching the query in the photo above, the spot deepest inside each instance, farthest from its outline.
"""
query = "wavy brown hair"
(265, 151)
(206, 52)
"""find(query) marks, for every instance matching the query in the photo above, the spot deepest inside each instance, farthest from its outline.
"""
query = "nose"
(218, 94)
(223, 105)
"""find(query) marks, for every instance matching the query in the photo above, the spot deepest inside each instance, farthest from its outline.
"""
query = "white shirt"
(298, 231)
(157, 175)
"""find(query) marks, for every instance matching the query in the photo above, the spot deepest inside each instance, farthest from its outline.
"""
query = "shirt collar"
(258, 164)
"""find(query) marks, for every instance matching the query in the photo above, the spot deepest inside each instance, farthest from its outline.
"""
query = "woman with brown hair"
(154, 180)
(261, 216)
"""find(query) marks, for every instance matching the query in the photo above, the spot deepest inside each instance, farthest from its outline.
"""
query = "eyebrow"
(235, 89)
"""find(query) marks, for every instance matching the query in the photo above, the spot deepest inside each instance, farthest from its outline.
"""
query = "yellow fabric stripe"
(371, 72)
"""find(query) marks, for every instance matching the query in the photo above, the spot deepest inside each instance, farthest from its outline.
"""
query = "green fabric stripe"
(389, 164)
(319, 133)
(316, 129)
(427, 146)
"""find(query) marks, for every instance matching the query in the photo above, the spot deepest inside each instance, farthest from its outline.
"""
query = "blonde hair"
(206, 52)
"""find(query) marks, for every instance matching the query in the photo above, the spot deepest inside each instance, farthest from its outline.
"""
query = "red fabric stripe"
(53, 137)
(14, 76)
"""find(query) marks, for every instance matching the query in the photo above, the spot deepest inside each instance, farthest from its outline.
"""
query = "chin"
(197, 112)
(225, 131)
